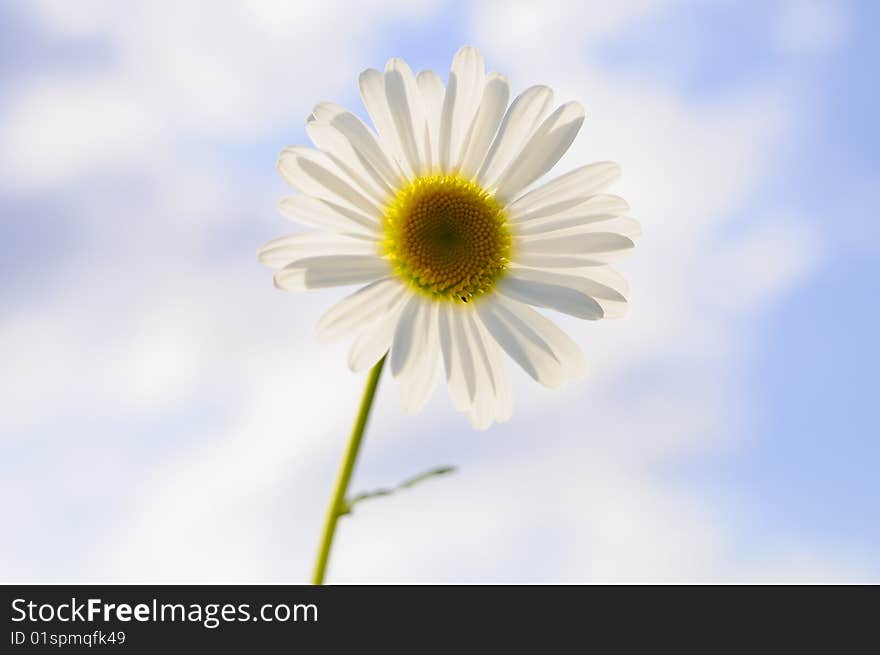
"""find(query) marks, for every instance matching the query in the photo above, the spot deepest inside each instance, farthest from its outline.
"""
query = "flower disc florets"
(447, 237)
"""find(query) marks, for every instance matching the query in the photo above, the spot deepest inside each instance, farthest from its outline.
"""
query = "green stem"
(337, 503)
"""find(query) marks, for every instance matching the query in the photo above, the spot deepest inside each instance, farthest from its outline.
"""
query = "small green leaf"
(406, 484)
(439, 470)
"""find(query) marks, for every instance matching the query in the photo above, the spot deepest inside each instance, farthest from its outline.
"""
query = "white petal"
(476, 420)
(311, 172)
(293, 279)
(575, 211)
(485, 125)
(463, 356)
(341, 152)
(375, 340)
(576, 185)
(359, 309)
(504, 321)
(328, 216)
(444, 332)
(283, 250)
(549, 142)
(609, 283)
(331, 271)
(463, 94)
(504, 389)
(372, 85)
(623, 225)
(408, 335)
(502, 405)
(418, 381)
(456, 357)
(628, 227)
(433, 92)
(407, 112)
(324, 111)
(604, 300)
(566, 351)
(559, 292)
(478, 350)
(519, 123)
(606, 276)
(572, 227)
(593, 246)
(482, 410)
(362, 139)
(544, 260)
(613, 302)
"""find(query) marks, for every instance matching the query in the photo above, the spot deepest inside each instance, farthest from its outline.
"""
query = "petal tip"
(577, 108)
(366, 74)
(396, 64)
(467, 51)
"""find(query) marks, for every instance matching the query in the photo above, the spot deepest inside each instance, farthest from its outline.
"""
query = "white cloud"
(572, 489)
(811, 26)
(178, 71)
(555, 26)
(74, 125)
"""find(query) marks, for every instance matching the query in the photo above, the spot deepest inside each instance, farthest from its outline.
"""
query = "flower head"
(432, 216)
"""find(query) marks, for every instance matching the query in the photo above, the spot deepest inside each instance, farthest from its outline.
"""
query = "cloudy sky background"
(168, 416)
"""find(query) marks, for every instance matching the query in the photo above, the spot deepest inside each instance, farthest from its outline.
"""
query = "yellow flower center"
(446, 237)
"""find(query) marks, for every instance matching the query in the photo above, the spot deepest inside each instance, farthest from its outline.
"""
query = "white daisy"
(431, 218)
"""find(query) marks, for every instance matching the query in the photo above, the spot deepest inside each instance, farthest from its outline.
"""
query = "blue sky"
(814, 444)
(725, 432)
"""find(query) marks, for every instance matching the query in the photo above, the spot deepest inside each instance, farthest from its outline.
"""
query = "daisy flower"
(436, 217)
